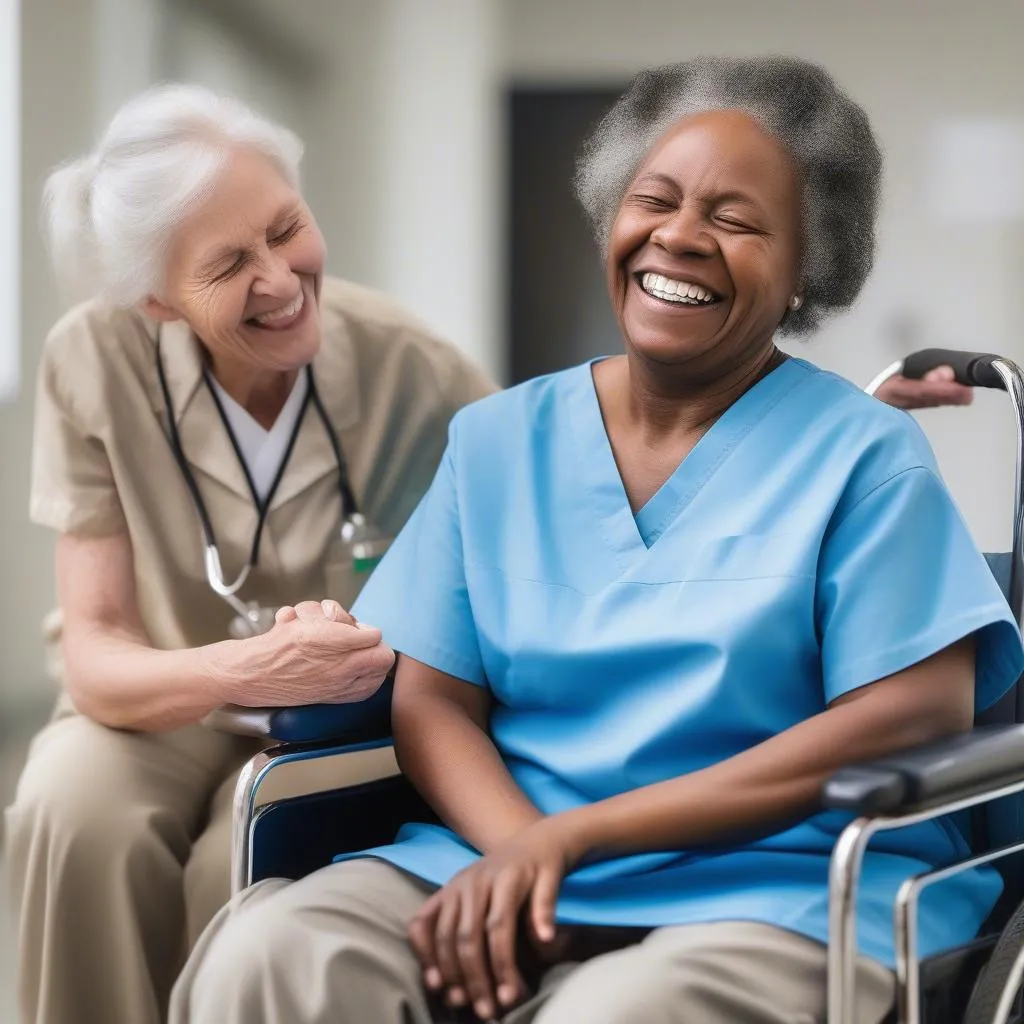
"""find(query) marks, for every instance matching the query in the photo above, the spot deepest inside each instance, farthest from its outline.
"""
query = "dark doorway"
(558, 313)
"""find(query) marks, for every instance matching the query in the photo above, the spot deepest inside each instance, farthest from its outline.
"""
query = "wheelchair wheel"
(996, 974)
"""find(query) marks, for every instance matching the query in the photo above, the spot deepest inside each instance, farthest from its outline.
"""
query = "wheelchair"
(979, 774)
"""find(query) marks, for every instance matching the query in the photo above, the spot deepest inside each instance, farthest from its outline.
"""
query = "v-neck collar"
(629, 535)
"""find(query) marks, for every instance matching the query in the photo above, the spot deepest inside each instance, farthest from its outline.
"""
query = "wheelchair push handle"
(971, 368)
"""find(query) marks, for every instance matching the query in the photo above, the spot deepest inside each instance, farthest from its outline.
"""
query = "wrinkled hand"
(938, 387)
(465, 934)
(315, 653)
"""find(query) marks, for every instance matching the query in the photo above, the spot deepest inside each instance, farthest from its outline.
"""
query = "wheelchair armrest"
(957, 768)
(357, 722)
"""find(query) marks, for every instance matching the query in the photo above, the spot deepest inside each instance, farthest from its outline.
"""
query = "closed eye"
(656, 202)
(289, 233)
(240, 262)
(734, 224)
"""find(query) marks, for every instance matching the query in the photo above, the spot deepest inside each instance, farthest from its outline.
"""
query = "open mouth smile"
(281, 318)
(676, 292)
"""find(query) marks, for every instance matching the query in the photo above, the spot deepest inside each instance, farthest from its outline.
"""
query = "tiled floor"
(16, 729)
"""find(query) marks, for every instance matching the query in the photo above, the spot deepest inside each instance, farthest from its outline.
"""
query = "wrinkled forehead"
(726, 150)
(247, 197)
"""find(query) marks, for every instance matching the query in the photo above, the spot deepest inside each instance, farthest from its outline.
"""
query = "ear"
(157, 310)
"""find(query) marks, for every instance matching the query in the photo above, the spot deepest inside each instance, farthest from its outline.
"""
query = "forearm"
(456, 768)
(116, 678)
(754, 793)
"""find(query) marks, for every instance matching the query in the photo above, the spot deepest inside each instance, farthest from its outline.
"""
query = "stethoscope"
(363, 541)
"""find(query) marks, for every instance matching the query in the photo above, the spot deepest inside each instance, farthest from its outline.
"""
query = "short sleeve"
(72, 488)
(900, 579)
(418, 595)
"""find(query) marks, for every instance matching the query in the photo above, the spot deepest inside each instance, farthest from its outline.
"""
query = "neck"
(662, 404)
(262, 393)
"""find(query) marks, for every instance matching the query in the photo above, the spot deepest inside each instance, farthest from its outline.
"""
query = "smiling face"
(244, 270)
(704, 252)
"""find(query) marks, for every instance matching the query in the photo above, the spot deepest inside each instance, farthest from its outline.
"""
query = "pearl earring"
(796, 302)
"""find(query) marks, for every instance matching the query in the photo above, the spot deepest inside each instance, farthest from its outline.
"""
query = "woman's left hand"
(465, 934)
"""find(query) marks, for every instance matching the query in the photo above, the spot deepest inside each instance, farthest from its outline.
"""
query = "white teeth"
(675, 291)
(284, 312)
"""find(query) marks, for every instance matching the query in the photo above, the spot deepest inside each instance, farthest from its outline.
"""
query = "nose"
(276, 277)
(684, 232)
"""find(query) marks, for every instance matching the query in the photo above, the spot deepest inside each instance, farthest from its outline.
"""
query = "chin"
(302, 350)
(669, 349)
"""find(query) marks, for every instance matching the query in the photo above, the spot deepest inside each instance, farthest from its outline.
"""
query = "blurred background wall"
(440, 137)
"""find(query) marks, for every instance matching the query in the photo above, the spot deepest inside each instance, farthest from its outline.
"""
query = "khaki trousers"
(118, 847)
(331, 949)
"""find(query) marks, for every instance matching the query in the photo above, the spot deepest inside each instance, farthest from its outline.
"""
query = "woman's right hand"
(316, 653)
(938, 387)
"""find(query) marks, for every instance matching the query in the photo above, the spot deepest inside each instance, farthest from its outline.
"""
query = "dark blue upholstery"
(368, 719)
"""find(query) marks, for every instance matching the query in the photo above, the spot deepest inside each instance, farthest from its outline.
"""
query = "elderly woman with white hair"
(206, 426)
(647, 607)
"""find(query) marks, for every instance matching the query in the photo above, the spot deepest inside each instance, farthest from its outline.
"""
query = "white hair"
(109, 215)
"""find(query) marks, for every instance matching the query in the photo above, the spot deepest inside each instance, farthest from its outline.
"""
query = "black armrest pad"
(359, 722)
(953, 769)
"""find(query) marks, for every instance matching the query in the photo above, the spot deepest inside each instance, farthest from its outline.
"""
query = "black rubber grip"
(971, 368)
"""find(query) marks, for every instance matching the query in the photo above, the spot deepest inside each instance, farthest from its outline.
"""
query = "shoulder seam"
(882, 483)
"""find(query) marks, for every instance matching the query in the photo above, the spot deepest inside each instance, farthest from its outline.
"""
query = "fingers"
(938, 388)
(285, 614)
(470, 947)
(421, 937)
(339, 637)
(445, 937)
(316, 611)
(542, 903)
(333, 612)
(326, 610)
(501, 924)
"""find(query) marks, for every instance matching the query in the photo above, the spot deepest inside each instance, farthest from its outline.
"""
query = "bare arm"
(116, 676)
(780, 780)
(442, 744)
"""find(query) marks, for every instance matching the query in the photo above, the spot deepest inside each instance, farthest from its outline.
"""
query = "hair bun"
(67, 212)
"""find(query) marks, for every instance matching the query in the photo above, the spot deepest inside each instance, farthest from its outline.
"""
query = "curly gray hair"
(797, 102)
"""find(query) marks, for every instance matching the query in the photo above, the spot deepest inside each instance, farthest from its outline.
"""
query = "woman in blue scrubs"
(646, 608)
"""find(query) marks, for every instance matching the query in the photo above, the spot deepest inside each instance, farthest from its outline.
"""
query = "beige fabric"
(119, 842)
(104, 872)
(102, 462)
(331, 949)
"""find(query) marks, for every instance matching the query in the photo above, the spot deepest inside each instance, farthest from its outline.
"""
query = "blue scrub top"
(805, 547)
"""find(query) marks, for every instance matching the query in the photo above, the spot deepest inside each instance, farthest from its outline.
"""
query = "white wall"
(10, 147)
(403, 165)
(911, 65)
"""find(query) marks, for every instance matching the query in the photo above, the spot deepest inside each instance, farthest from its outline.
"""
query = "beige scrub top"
(102, 462)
